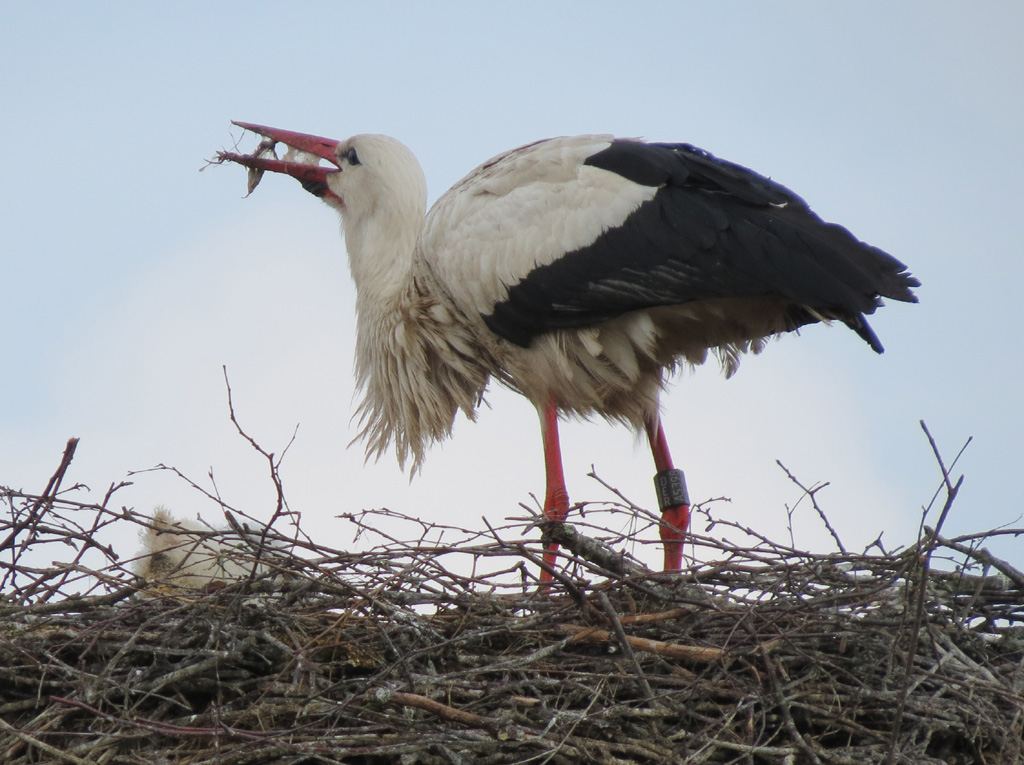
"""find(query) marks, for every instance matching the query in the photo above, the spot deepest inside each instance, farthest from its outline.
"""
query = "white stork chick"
(578, 271)
(182, 554)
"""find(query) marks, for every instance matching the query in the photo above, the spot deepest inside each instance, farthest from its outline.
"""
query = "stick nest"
(442, 648)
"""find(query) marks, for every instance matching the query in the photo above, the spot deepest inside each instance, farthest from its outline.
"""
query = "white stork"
(181, 553)
(577, 271)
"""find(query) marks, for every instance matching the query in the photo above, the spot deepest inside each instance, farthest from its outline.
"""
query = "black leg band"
(670, 486)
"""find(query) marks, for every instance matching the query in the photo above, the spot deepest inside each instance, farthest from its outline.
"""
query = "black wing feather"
(713, 230)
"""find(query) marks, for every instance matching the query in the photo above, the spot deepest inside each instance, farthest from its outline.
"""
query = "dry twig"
(432, 648)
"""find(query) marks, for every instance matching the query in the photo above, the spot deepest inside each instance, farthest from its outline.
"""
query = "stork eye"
(352, 157)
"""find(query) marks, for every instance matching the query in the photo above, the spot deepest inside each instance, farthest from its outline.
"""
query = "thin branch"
(814, 502)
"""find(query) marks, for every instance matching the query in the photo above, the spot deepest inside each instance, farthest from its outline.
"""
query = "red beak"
(313, 177)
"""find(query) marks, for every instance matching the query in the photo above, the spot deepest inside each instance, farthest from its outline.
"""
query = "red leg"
(556, 499)
(671, 487)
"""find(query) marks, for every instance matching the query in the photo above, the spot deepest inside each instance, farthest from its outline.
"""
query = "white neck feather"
(416, 360)
(381, 224)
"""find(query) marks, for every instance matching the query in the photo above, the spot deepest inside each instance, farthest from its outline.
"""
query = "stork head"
(375, 183)
(369, 177)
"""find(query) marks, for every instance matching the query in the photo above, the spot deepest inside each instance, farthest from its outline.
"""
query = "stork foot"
(670, 484)
(674, 522)
(556, 508)
(556, 498)
(673, 499)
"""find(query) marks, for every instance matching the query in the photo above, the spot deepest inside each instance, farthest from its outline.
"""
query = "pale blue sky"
(130, 277)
